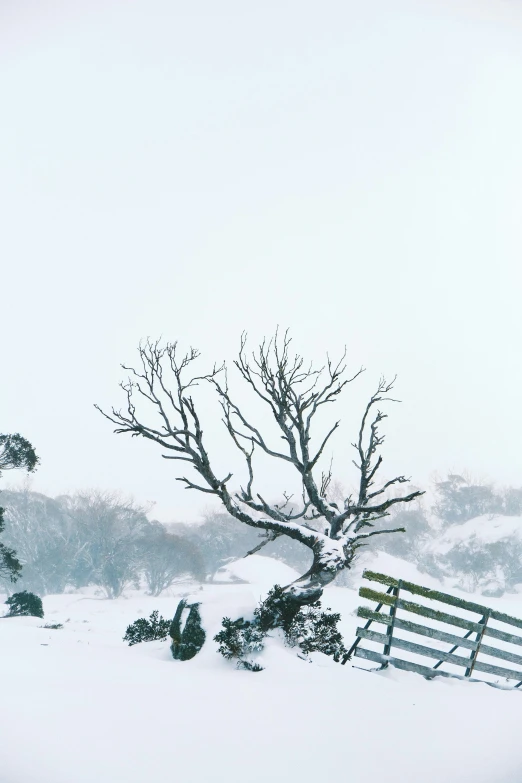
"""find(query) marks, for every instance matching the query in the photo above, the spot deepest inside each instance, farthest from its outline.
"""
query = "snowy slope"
(486, 529)
(92, 710)
(257, 570)
(482, 555)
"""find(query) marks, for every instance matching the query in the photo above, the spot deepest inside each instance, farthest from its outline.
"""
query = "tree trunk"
(329, 559)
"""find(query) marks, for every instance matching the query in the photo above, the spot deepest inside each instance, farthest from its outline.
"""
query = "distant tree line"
(93, 538)
(475, 560)
(96, 538)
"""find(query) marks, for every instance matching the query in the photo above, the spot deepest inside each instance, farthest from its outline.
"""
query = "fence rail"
(472, 662)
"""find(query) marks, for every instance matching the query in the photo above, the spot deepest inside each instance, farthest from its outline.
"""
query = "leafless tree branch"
(294, 393)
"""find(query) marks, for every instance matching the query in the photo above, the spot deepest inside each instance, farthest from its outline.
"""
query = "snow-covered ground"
(80, 706)
(486, 529)
(481, 555)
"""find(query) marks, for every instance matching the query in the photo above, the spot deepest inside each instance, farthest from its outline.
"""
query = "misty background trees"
(97, 539)
(93, 538)
(165, 556)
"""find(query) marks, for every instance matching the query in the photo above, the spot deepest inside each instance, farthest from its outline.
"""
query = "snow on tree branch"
(294, 392)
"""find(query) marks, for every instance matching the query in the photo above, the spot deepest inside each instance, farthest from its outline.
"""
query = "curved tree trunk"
(329, 559)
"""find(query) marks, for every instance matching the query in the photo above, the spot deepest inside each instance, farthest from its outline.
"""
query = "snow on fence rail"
(481, 629)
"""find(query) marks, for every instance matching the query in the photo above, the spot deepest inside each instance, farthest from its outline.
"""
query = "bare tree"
(167, 557)
(111, 532)
(294, 393)
(45, 538)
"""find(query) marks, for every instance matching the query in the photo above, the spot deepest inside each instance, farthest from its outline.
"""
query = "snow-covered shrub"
(25, 604)
(276, 611)
(313, 629)
(156, 628)
(307, 627)
(231, 638)
(186, 641)
(241, 639)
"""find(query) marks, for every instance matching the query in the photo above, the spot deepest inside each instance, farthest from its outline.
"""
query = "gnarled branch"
(294, 393)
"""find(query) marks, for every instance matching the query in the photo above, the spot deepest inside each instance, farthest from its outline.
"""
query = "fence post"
(350, 652)
(474, 653)
(389, 633)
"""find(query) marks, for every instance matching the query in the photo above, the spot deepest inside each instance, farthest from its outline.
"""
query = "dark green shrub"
(156, 628)
(276, 611)
(316, 631)
(306, 627)
(240, 639)
(249, 666)
(231, 638)
(188, 642)
(24, 604)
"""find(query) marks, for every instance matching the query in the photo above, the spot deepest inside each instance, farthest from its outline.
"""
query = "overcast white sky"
(351, 170)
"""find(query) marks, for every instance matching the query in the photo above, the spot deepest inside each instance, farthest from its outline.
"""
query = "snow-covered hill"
(79, 706)
(486, 529)
(482, 555)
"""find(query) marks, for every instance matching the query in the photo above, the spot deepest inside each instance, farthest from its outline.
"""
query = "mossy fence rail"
(490, 624)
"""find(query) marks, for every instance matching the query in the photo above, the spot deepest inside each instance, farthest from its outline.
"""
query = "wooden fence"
(479, 630)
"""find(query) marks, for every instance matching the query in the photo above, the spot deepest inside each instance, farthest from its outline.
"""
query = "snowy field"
(80, 706)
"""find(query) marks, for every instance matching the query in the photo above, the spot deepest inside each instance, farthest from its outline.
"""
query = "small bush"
(276, 611)
(188, 642)
(156, 628)
(249, 666)
(52, 626)
(240, 639)
(307, 627)
(316, 631)
(25, 604)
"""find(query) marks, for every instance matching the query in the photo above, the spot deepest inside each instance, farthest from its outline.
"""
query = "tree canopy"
(15, 452)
